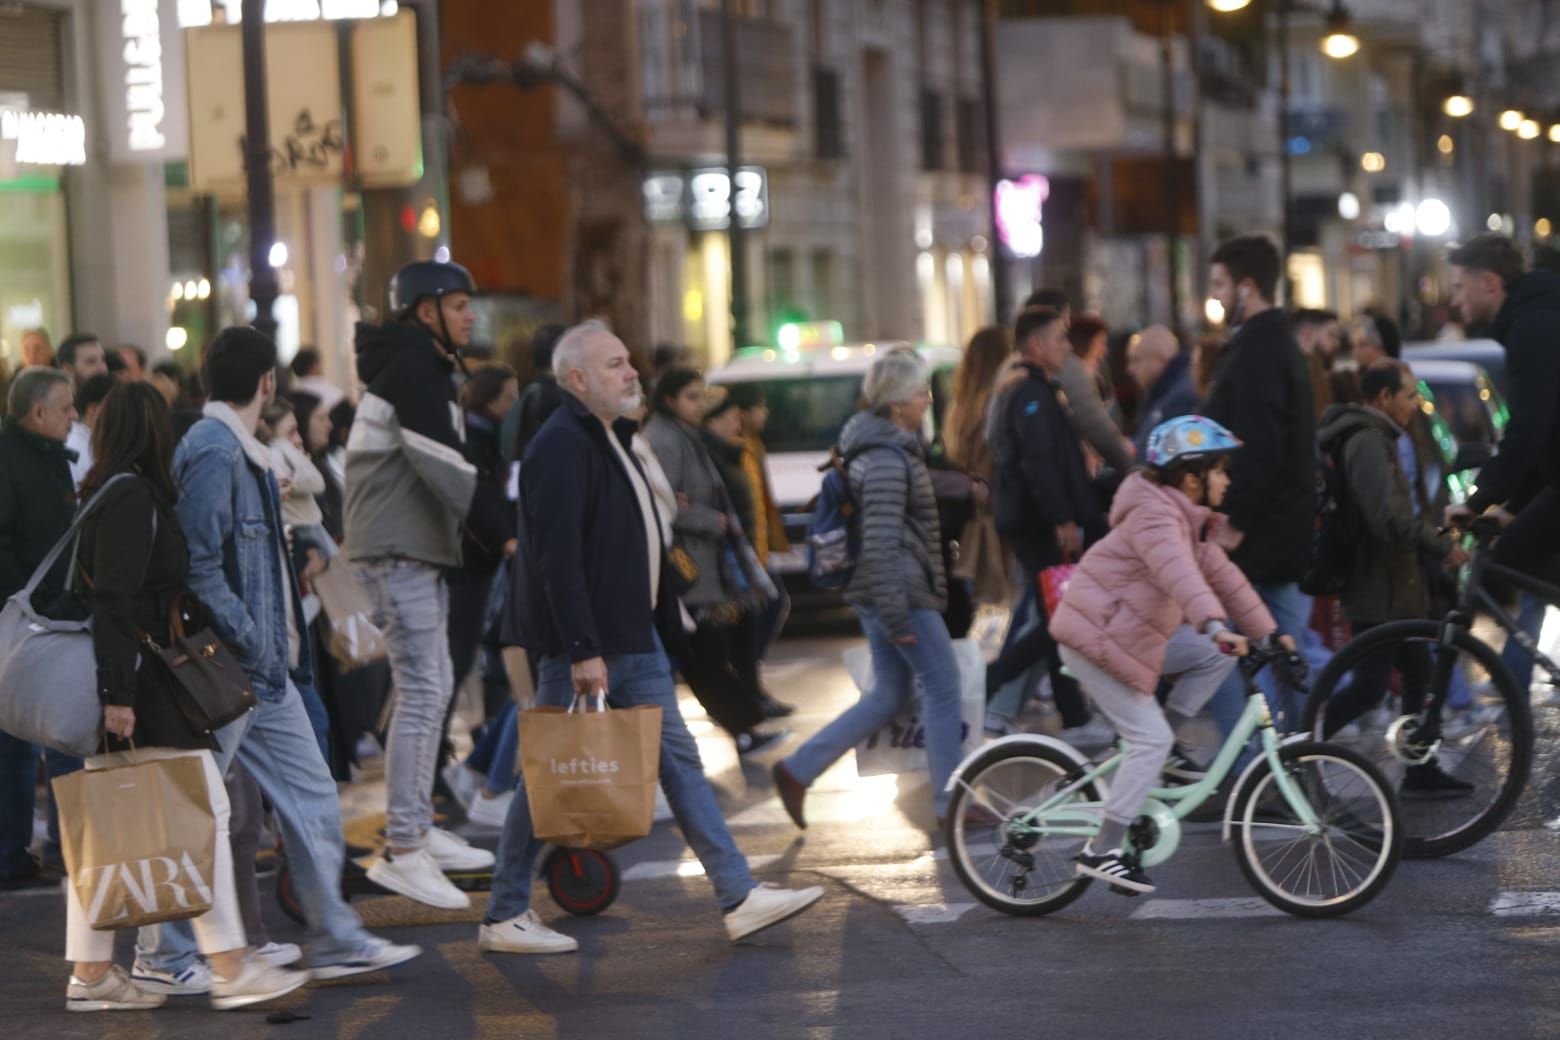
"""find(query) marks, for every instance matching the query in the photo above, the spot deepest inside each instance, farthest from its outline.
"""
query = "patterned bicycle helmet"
(1188, 437)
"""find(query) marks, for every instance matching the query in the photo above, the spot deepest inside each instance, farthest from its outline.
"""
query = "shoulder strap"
(69, 537)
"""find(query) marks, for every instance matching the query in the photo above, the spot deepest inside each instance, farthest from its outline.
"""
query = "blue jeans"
(1291, 609)
(1530, 619)
(494, 755)
(412, 608)
(632, 679)
(18, 790)
(277, 746)
(896, 671)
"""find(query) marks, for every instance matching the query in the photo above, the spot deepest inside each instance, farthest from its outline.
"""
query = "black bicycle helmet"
(423, 278)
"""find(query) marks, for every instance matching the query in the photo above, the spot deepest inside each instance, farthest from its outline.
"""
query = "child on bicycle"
(1157, 596)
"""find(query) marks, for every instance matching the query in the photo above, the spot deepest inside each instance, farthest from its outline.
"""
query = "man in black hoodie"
(1522, 311)
(408, 492)
(1262, 394)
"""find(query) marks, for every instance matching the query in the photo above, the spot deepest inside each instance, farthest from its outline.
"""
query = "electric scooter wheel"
(582, 881)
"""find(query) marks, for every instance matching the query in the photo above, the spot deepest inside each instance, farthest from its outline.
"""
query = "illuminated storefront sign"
(701, 198)
(45, 138)
(143, 76)
(1017, 204)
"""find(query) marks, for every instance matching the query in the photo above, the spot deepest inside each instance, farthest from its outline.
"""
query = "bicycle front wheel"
(1339, 867)
(1002, 865)
(1486, 746)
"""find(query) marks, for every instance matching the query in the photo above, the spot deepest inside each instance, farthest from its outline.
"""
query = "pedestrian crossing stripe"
(1526, 904)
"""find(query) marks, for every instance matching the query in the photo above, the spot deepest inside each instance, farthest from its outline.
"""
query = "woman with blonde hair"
(982, 559)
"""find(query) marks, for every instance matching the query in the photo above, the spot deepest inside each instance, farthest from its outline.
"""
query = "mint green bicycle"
(1315, 826)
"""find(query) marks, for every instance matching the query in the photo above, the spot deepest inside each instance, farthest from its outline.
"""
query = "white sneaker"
(768, 905)
(375, 955)
(490, 812)
(256, 982)
(115, 991)
(524, 934)
(279, 955)
(452, 852)
(1095, 733)
(416, 875)
(192, 981)
(462, 783)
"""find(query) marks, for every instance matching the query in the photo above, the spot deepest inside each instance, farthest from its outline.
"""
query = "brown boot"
(792, 792)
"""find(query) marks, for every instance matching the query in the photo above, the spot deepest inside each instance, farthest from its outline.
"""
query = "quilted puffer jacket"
(1160, 567)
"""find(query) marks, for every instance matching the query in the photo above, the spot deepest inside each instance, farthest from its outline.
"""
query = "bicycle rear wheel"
(1015, 873)
(1329, 873)
(1490, 748)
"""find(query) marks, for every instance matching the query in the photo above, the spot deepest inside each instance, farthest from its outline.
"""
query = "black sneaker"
(1430, 781)
(1181, 768)
(757, 739)
(1115, 867)
(774, 709)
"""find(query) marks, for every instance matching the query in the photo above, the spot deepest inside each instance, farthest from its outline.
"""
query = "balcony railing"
(684, 65)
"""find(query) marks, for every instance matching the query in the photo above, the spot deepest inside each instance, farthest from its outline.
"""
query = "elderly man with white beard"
(589, 587)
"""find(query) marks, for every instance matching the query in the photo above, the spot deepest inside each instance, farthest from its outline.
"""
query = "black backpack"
(1335, 532)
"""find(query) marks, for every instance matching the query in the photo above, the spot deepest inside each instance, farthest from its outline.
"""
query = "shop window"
(931, 130)
(827, 123)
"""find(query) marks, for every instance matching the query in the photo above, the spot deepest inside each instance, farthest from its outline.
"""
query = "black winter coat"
(1262, 394)
(1528, 326)
(491, 521)
(582, 573)
(1041, 479)
(37, 502)
(134, 576)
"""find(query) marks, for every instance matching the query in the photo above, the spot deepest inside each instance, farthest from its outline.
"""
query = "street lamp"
(1554, 132)
(1339, 42)
(1228, 6)
(1528, 130)
(1510, 119)
(1458, 106)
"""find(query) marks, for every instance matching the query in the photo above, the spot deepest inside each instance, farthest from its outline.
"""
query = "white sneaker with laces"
(524, 934)
(279, 955)
(490, 812)
(191, 982)
(416, 875)
(256, 982)
(115, 991)
(375, 955)
(768, 905)
(1095, 733)
(452, 852)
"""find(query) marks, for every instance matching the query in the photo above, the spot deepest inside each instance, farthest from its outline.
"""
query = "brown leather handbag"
(209, 684)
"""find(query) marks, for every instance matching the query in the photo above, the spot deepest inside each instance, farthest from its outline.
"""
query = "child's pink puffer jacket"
(1160, 567)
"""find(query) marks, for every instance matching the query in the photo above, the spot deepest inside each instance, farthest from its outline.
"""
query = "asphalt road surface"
(1462, 947)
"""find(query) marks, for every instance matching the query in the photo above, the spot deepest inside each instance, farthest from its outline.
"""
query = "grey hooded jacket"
(900, 568)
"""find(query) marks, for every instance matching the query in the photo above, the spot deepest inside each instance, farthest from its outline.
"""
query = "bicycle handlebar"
(1288, 664)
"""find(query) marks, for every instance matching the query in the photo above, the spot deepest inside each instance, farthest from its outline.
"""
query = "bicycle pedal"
(1118, 890)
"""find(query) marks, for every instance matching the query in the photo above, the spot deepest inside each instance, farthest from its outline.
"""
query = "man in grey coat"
(1385, 580)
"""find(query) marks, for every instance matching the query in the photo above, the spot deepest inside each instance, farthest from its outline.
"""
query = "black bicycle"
(1477, 761)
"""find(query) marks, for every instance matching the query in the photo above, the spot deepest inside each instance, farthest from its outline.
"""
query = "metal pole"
(1172, 173)
(1284, 8)
(257, 165)
(1000, 289)
(739, 287)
